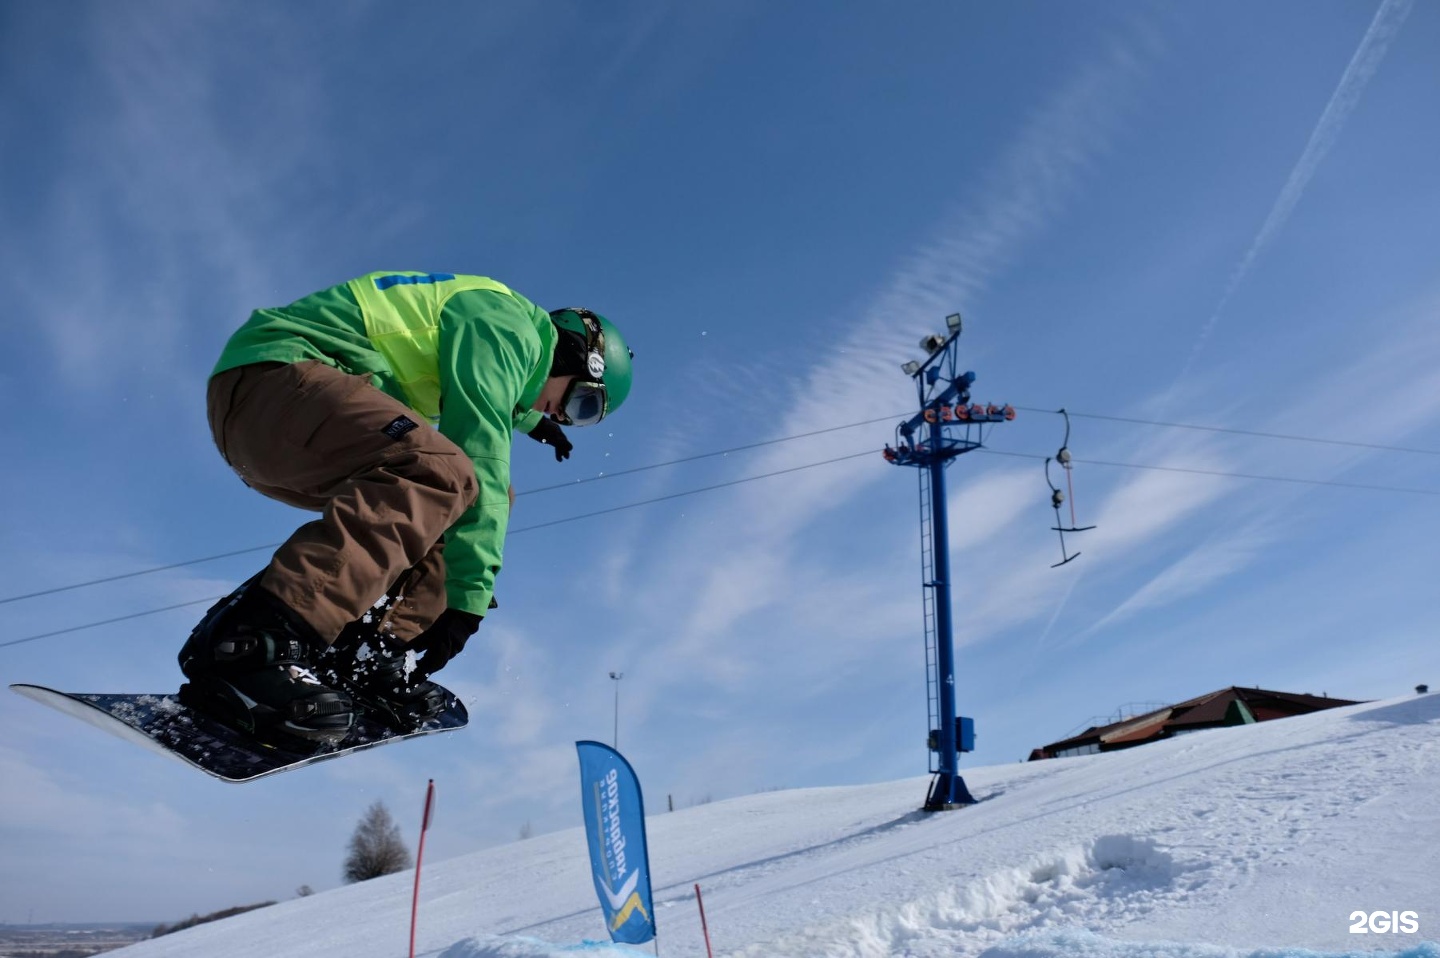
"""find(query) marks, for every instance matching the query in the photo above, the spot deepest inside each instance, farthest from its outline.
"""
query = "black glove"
(443, 641)
(549, 432)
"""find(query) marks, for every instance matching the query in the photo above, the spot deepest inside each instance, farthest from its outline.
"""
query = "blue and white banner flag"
(615, 828)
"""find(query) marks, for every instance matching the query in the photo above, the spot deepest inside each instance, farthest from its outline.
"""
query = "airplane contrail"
(1372, 50)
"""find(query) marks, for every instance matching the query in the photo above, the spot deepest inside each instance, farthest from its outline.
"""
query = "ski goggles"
(583, 404)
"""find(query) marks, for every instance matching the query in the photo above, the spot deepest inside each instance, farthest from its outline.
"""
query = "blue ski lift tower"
(947, 426)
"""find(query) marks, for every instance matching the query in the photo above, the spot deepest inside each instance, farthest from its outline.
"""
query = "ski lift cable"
(527, 492)
(710, 455)
(1243, 432)
(542, 525)
(722, 452)
(118, 618)
(131, 575)
(1226, 475)
(691, 492)
(868, 452)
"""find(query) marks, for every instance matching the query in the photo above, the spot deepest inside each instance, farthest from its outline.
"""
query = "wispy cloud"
(669, 45)
(1032, 183)
(1192, 574)
(1142, 513)
(166, 205)
(1366, 60)
(34, 799)
(732, 603)
(1145, 504)
(507, 704)
(1397, 376)
(773, 586)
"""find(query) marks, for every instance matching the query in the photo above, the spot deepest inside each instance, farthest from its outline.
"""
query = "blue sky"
(1225, 214)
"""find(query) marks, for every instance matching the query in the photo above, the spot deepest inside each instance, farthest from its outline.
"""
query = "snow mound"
(1252, 842)
(522, 947)
(1082, 944)
(1113, 876)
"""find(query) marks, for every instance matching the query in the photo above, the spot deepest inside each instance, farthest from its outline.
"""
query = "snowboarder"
(323, 405)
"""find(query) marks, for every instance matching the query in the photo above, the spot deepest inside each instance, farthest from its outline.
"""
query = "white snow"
(1255, 841)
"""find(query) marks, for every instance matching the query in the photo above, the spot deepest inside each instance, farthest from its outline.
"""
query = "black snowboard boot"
(249, 664)
(380, 673)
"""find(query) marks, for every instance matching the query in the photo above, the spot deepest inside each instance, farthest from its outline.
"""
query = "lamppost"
(617, 676)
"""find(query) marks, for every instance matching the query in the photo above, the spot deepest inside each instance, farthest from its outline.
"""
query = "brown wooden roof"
(1212, 710)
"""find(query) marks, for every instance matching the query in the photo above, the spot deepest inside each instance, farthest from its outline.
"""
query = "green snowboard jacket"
(465, 352)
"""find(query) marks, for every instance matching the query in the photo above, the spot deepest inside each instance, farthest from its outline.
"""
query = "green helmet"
(591, 349)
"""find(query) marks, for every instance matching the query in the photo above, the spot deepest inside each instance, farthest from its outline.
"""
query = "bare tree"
(376, 848)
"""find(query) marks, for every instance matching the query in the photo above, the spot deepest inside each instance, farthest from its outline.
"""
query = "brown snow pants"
(386, 484)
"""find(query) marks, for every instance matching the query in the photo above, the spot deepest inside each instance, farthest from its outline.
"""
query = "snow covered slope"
(1258, 840)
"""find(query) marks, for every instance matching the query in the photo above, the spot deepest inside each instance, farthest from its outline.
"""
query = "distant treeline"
(194, 920)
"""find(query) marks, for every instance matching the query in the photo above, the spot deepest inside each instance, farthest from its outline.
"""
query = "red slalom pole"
(419, 857)
(703, 927)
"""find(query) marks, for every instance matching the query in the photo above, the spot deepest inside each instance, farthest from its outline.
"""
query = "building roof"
(1235, 705)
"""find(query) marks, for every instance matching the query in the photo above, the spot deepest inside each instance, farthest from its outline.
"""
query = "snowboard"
(162, 723)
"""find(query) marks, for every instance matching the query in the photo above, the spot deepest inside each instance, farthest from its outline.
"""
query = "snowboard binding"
(249, 665)
(379, 672)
